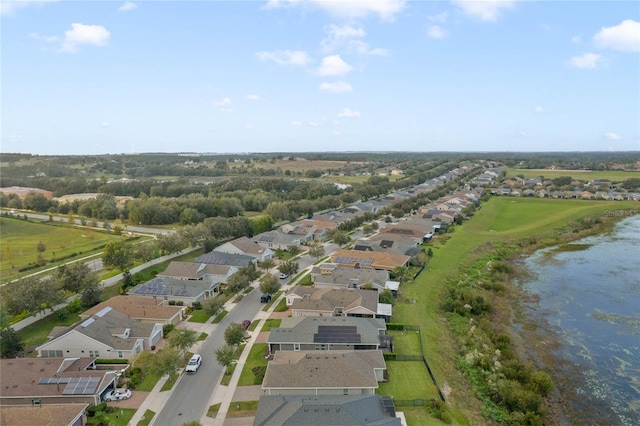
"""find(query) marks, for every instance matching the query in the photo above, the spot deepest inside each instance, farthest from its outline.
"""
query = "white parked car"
(194, 363)
(117, 395)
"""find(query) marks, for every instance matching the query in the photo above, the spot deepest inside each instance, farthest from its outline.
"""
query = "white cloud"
(538, 109)
(127, 6)
(9, 8)
(522, 133)
(624, 37)
(385, 9)
(47, 39)
(249, 126)
(434, 31)
(285, 57)
(576, 39)
(612, 136)
(225, 105)
(80, 34)
(350, 38)
(486, 10)
(333, 65)
(337, 133)
(253, 97)
(586, 61)
(296, 123)
(440, 17)
(337, 87)
(348, 113)
(314, 123)
(104, 124)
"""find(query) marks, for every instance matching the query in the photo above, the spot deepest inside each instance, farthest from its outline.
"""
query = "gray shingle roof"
(323, 410)
(303, 329)
(323, 369)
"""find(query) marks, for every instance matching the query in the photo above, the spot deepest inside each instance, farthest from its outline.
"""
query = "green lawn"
(170, 382)
(220, 316)
(36, 333)
(612, 175)
(273, 299)
(199, 316)
(271, 323)
(20, 240)
(148, 383)
(242, 409)
(408, 380)
(406, 342)
(146, 419)
(202, 336)
(499, 220)
(119, 417)
(255, 359)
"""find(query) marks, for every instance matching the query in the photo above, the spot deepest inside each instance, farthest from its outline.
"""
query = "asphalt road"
(190, 398)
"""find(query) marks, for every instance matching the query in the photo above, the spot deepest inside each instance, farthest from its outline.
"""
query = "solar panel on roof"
(81, 386)
(266, 238)
(337, 334)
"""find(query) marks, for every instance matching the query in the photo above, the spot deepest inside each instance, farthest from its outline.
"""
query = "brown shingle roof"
(44, 415)
(327, 299)
(377, 260)
(137, 307)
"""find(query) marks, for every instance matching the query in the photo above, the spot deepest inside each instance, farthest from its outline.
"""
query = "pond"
(587, 308)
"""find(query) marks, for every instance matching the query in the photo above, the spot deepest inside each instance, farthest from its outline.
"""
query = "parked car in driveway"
(194, 363)
(117, 395)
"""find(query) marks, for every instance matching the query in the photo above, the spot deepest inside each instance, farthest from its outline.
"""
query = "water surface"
(589, 298)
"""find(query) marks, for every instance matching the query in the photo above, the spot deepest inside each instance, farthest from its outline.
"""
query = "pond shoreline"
(539, 342)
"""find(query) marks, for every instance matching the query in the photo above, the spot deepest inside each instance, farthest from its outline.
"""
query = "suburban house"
(145, 309)
(352, 410)
(192, 271)
(279, 240)
(324, 373)
(327, 302)
(223, 258)
(309, 229)
(247, 247)
(107, 334)
(330, 275)
(388, 246)
(44, 415)
(43, 382)
(369, 259)
(329, 334)
(174, 289)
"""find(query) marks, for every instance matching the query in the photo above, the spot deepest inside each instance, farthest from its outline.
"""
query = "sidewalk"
(224, 394)
(156, 399)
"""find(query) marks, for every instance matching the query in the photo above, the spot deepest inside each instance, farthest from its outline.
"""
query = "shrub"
(168, 328)
(100, 407)
(179, 303)
(172, 302)
(196, 305)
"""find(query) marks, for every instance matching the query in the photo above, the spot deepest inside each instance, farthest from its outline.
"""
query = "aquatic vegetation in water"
(613, 318)
(571, 247)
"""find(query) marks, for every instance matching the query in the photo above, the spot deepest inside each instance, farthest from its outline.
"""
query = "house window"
(90, 353)
(296, 346)
(345, 391)
(96, 353)
(120, 354)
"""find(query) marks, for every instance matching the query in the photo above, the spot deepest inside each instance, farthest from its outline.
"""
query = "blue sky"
(81, 77)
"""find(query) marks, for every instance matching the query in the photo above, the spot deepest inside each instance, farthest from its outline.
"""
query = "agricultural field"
(298, 165)
(610, 175)
(499, 220)
(21, 243)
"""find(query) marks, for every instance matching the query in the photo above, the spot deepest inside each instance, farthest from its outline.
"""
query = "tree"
(316, 250)
(269, 284)
(386, 296)
(91, 295)
(401, 273)
(182, 338)
(294, 249)
(250, 271)
(117, 254)
(288, 267)
(430, 252)
(166, 361)
(225, 356)
(75, 277)
(267, 264)
(235, 334)
(213, 305)
(340, 238)
(10, 343)
(238, 282)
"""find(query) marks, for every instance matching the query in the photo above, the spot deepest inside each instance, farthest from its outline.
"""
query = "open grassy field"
(297, 165)
(20, 239)
(611, 175)
(356, 179)
(499, 220)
